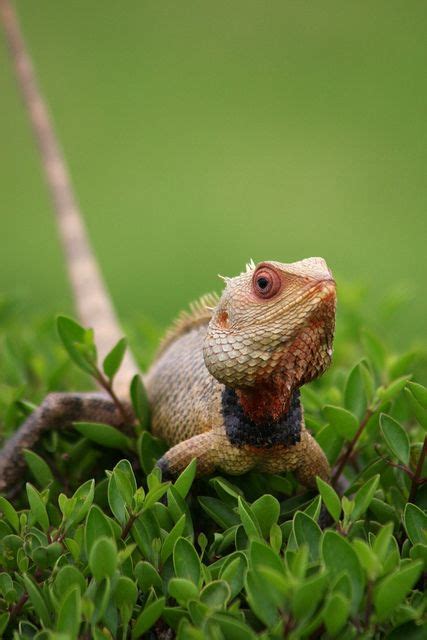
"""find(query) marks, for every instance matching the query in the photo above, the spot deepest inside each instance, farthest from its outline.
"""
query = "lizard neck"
(266, 402)
(242, 430)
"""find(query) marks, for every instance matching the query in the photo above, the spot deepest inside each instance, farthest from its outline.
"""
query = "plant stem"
(106, 384)
(416, 479)
(128, 525)
(402, 467)
(350, 447)
(368, 610)
(17, 608)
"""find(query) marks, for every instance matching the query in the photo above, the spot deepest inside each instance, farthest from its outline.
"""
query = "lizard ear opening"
(266, 282)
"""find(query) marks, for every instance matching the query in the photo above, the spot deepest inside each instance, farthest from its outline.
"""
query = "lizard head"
(272, 332)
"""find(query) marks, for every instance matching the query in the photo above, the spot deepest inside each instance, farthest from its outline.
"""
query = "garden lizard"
(223, 387)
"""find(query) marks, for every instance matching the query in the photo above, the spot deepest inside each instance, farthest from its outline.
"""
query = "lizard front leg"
(310, 461)
(305, 458)
(57, 411)
(212, 450)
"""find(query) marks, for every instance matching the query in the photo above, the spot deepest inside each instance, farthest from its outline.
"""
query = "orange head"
(271, 332)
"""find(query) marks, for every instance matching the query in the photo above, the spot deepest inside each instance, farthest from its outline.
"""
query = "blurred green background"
(202, 134)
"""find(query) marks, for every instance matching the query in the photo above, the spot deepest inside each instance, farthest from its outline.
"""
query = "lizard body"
(224, 386)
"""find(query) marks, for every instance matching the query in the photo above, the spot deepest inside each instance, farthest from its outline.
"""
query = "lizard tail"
(93, 303)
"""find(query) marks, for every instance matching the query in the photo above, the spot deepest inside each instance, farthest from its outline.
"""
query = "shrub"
(89, 553)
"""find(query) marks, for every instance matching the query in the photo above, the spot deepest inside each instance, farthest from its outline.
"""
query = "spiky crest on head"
(199, 312)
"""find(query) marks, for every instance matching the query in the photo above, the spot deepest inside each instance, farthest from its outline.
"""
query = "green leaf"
(103, 434)
(266, 511)
(147, 576)
(382, 541)
(262, 555)
(216, 594)
(221, 513)
(114, 359)
(139, 399)
(68, 621)
(185, 479)
(308, 594)
(233, 572)
(37, 600)
(97, 526)
(103, 558)
(249, 520)
(345, 423)
(4, 621)
(367, 558)
(330, 442)
(419, 552)
(339, 556)
(124, 486)
(148, 617)
(260, 600)
(125, 592)
(415, 521)
(9, 512)
(363, 497)
(173, 535)
(390, 592)
(355, 393)
(298, 561)
(81, 502)
(37, 506)
(277, 586)
(307, 531)
(38, 467)
(78, 342)
(276, 537)
(186, 561)
(418, 410)
(233, 628)
(382, 511)
(395, 437)
(116, 502)
(182, 590)
(69, 576)
(393, 389)
(419, 392)
(176, 507)
(335, 613)
(330, 498)
(155, 494)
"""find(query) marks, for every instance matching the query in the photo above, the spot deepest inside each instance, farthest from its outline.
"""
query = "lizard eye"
(266, 282)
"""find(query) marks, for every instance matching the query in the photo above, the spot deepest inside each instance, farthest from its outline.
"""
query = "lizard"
(224, 386)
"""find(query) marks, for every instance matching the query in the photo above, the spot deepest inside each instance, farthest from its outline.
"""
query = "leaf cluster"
(96, 545)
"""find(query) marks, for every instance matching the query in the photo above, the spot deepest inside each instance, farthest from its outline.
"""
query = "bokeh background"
(202, 134)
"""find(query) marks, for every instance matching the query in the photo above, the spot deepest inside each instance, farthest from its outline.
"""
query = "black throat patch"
(242, 430)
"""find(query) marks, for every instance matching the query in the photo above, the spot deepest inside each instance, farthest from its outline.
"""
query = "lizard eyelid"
(266, 282)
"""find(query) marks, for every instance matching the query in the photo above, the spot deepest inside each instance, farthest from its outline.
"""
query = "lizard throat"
(266, 402)
(242, 430)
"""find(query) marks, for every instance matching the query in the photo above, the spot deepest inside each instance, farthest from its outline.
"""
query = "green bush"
(89, 553)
